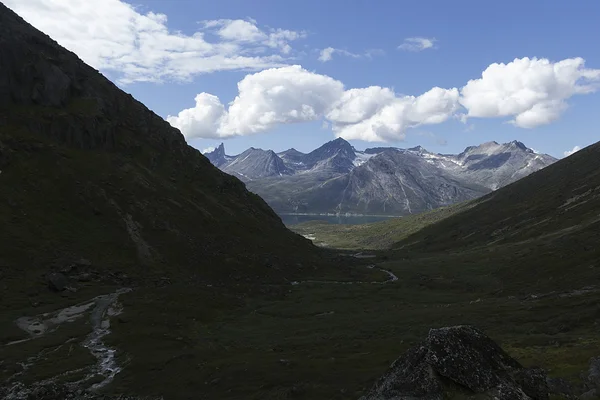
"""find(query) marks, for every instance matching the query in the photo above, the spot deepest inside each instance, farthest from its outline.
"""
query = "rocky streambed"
(81, 382)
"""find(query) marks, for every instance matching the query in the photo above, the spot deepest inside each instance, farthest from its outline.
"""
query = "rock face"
(336, 178)
(217, 157)
(255, 164)
(454, 360)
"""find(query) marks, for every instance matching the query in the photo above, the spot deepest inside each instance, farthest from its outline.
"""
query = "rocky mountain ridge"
(337, 178)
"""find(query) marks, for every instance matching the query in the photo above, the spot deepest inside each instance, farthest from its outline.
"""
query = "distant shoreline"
(339, 215)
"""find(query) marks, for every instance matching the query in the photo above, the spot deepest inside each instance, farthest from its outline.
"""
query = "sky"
(276, 74)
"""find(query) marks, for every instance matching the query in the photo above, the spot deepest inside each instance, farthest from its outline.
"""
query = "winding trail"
(391, 276)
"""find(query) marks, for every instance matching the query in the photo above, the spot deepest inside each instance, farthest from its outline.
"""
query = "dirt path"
(391, 276)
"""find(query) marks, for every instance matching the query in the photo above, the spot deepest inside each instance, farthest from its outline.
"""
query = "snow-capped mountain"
(337, 178)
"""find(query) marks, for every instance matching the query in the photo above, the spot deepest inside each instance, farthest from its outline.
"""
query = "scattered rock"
(57, 281)
(559, 386)
(594, 373)
(590, 395)
(458, 357)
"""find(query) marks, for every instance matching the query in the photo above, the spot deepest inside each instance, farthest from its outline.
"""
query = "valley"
(133, 267)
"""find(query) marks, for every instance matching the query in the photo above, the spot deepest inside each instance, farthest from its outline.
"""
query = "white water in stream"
(101, 309)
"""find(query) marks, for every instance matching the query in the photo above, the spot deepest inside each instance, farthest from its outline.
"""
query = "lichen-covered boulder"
(459, 359)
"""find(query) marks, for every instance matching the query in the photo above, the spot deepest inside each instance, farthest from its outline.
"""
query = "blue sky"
(458, 41)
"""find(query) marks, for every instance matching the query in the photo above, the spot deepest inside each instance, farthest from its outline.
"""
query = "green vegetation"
(214, 311)
(328, 341)
(377, 235)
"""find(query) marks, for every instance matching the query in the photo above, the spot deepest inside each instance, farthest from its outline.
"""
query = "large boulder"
(459, 359)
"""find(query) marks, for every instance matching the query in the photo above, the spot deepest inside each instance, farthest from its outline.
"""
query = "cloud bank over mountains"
(529, 91)
(132, 45)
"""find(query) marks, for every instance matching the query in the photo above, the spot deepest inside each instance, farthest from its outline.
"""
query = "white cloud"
(208, 150)
(327, 53)
(569, 152)
(279, 96)
(291, 94)
(533, 91)
(377, 114)
(417, 44)
(268, 98)
(203, 120)
(246, 31)
(117, 38)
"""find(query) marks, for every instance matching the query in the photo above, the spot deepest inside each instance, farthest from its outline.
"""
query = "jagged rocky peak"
(332, 146)
(337, 155)
(256, 163)
(459, 358)
(291, 152)
(515, 144)
(418, 149)
(220, 149)
(217, 156)
(384, 180)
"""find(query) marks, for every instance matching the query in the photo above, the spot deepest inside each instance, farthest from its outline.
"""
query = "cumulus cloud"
(268, 98)
(292, 94)
(573, 151)
(203, 120)
(533, 96)
(417, 44)
(208, 150)
(327, 53)
(117, 38)
(532, 91)
(377, 114)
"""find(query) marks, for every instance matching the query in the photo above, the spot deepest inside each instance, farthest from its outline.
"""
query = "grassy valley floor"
(325, 340)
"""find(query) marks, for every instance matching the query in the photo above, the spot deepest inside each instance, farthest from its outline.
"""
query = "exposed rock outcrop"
(338, 178)
(459, 359)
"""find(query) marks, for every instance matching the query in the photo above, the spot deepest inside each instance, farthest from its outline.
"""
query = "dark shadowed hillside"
(131, 268)
(88, 171)
(558, 202)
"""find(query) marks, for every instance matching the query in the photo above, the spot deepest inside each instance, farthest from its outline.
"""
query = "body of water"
(294, 219)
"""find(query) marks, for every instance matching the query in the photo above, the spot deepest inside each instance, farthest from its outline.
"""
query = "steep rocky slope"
(559, 203)
(88, 171)
(255, 164)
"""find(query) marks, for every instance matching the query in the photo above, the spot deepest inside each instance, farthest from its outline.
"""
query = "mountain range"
(337, 178)
(132, 268)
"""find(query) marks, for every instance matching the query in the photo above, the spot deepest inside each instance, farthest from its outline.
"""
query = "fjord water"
(294, 219)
